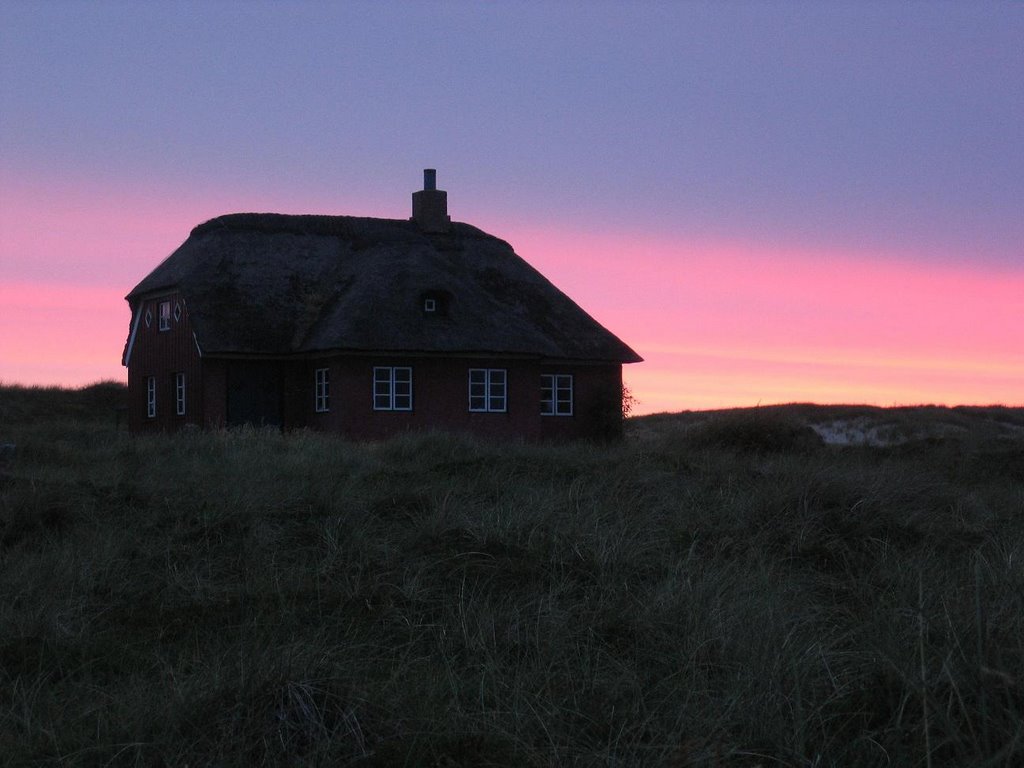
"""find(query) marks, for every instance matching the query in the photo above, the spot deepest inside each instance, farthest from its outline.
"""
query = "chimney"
(430, 205)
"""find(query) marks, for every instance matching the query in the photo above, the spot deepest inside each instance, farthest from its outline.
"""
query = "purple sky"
(893, 131)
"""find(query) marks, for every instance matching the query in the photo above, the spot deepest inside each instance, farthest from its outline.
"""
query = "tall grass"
(698, 595)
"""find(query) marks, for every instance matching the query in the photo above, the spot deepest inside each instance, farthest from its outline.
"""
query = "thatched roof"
(272, 284)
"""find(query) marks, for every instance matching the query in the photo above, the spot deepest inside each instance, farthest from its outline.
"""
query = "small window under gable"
(177, 311)
(149, 318)
(165, 315)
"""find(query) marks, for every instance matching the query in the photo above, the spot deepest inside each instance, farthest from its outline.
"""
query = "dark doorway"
(255, 393)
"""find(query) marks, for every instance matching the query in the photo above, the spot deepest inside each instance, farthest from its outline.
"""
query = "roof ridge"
(298, 223)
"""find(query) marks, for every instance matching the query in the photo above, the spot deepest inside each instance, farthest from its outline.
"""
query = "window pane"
(477, 389)
(179, 393)
(564, 395)
(322, 389)
(392, 389)
(497, 390)
(556, 394)
(547, 397)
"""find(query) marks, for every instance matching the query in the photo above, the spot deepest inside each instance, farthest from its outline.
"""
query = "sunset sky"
(770, 201)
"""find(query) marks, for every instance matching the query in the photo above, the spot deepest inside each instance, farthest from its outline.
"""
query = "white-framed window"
(323, 390)
(165, 315)
(151, 397)
(430, 305)
(179, 394)
(392, 389)
(488, 390)
(556, 394)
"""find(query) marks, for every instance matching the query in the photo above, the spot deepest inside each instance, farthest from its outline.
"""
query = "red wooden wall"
(441, 399)
(440, 391)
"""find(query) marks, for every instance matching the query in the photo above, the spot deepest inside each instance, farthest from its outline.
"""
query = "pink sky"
(719, 324)
(724, 324)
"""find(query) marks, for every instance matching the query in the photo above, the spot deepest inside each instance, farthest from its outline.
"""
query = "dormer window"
(165, 315)
(435, 302)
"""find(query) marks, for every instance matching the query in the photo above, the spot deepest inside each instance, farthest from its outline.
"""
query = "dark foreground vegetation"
(717, 590)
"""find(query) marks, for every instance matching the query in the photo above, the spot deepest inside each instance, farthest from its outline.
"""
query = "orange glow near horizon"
(719, 324)
(66, 335)
(726, 325)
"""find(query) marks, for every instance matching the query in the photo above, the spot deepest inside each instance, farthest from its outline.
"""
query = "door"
(255, 394)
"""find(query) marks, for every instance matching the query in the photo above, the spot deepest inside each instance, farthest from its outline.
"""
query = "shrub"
(754, 431)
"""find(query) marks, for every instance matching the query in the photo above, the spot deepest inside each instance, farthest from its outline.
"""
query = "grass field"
(719, 589)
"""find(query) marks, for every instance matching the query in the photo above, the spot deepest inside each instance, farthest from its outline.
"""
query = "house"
(366, 327)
